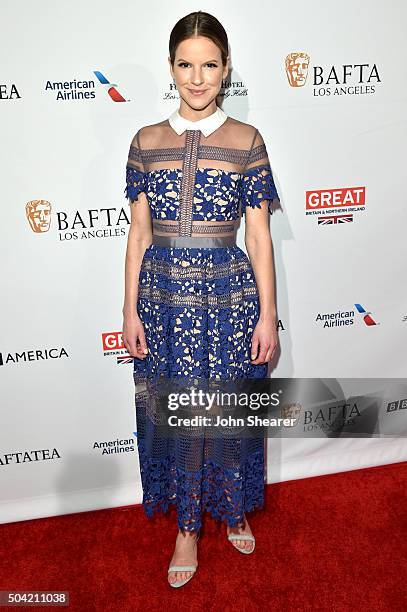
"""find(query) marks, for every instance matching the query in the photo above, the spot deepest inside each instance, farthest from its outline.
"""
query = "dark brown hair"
(199, 23)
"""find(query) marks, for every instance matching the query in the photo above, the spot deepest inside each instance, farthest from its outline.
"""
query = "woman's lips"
(197, 92)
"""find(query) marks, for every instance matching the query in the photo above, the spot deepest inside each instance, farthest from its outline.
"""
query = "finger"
(274, 347)
(262, 353)
(254, 347)
(138, 353)
(270, 352)
(142, 342)
(141, 346)
(126, 345)
(131, 348)
(273, 351)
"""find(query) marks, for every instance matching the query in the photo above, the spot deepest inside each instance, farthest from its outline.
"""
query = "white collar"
(207, 125)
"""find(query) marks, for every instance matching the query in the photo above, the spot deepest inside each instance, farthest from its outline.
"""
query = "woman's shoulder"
(243, 135)
(152, 135)
(240, 125)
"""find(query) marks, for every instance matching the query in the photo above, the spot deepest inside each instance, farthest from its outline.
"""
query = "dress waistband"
(205, 229)
(206, 242)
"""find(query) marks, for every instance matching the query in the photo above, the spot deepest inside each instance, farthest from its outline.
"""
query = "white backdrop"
(67, 411)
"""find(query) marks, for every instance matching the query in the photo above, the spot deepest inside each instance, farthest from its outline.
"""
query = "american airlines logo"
(345, 318)
(111, 88)
(82, 89)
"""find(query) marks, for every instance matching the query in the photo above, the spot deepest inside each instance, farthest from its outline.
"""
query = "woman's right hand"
(134, 338)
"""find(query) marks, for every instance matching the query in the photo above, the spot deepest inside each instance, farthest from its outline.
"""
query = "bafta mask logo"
(291, 411)
(39, 215)
(296, 67)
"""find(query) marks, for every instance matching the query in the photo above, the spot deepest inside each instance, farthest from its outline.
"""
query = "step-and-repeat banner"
(77, 82)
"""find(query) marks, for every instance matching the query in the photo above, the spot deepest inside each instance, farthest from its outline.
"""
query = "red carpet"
(334, 542)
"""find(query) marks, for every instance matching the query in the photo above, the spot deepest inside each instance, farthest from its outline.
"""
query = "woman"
(194, 303)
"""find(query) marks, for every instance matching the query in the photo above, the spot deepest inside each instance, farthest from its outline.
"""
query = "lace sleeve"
(135, 174)
(257, 180)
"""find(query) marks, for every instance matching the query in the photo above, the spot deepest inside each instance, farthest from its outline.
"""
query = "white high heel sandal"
(243, 536)
(183, 568)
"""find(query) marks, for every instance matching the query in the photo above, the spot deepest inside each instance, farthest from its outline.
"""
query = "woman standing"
(195, 305)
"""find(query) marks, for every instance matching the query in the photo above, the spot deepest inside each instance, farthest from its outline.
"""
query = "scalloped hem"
(194, 495)
(152, 511)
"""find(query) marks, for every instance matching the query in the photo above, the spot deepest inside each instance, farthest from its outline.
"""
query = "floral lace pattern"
(194, 328)
(219, 194)
(258, 185)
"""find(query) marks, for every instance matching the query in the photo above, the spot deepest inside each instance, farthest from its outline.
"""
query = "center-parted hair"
(199, 23)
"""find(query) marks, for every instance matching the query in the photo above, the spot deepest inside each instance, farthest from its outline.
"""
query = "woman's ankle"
(194, 534)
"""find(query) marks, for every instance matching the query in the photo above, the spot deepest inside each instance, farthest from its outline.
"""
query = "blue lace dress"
(199, 304)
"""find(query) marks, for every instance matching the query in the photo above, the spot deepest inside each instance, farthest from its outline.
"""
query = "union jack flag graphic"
(335, 219)
(124, 359)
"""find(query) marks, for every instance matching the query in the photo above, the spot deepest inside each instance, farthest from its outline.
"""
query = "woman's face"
(198, 68)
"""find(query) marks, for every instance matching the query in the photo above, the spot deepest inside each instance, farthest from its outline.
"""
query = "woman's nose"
(197, 77)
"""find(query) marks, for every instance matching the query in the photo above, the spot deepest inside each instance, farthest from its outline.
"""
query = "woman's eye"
(209, 64)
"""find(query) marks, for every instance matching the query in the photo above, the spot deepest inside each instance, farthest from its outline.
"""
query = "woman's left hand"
(264, 341)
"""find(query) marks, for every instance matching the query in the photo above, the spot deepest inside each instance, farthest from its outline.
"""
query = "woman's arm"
(139, 239)
(260, 250)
